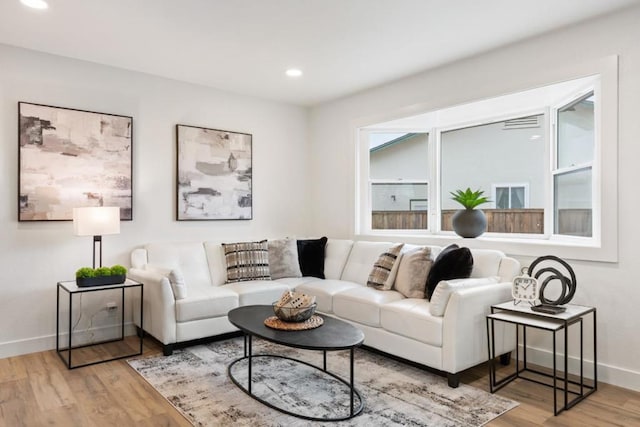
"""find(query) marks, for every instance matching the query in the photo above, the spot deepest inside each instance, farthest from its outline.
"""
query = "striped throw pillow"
(247, 261)
(381, 272)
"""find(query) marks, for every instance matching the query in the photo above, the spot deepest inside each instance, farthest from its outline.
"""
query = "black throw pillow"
(311, 257)
(453, 262)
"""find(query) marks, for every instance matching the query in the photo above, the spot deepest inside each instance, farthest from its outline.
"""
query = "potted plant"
(87, 276)
(469, 222)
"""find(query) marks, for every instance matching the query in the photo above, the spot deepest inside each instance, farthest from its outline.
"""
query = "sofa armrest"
(464, 340)
(158, 304)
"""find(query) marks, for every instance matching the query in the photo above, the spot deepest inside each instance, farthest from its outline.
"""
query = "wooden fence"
(498, 220)
(572, 222)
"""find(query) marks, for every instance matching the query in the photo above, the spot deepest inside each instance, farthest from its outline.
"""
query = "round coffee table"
(333, 335)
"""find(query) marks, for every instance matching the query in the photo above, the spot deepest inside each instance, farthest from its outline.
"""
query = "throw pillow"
(178, 285)
(445, 288)
(380, 276)
(247, 261)
(453, 262)
(311, 257)
(283, 258)
(412, 274)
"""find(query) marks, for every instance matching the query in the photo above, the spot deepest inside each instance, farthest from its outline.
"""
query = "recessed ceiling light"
(293, 72)
(35, 4)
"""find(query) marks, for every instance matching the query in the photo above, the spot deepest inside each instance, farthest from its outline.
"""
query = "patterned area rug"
(196, 382)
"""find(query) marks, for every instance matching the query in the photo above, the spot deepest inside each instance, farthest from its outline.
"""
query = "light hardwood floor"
(38, 390)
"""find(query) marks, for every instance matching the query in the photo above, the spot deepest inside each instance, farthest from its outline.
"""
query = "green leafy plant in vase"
(469, 222)
(87, 276)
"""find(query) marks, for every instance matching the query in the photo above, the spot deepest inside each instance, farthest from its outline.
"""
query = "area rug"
(195, 381)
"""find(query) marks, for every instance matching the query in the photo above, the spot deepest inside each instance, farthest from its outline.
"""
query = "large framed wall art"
(213, 174)
(72, 158)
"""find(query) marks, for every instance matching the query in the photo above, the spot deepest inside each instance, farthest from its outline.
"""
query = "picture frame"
(214, 174)
(72, 158)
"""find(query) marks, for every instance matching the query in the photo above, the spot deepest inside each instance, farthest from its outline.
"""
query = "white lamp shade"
(96, 221)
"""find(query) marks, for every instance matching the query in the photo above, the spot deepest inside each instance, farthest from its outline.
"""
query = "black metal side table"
(523, 317)
(72, 289)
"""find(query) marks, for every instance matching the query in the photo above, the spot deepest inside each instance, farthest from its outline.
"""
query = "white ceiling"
(244, 46)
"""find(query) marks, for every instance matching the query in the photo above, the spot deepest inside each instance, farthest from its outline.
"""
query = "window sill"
(517, 247)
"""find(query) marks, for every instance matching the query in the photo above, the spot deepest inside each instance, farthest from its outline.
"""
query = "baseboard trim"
(609, 374)
(44, 343)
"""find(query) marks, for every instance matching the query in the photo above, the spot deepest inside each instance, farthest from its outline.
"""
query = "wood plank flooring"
(38, 390)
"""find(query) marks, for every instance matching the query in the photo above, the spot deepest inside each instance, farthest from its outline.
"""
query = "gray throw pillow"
(411, 280)
(283, 258)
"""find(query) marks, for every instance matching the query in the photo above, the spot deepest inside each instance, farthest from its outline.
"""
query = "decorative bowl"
(292, 314)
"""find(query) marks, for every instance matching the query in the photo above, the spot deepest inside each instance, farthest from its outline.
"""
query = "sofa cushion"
(257, 292)
(362, 304)
(206, 303)
(385, 268)
(283, 258)
(311, 254)
(411, 280)
(411, 318)
(361, 258)
(445, 288)
(247, 261)
(453, 262)
(324, 290)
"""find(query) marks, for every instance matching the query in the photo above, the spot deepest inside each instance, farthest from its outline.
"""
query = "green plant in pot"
(469, 222)
(87, 276)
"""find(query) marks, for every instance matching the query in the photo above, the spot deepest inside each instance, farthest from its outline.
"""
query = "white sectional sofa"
(402, 327)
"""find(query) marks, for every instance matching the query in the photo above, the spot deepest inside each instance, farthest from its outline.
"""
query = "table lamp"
(96, 222)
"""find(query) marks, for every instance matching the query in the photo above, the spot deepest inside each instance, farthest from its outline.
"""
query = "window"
(398, 180)
(510, 196)
(572, 174)
(511, 150)
(556, 145)
(531, 152)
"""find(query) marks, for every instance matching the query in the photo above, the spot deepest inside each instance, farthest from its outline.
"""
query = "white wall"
(610, 286)
(35, 255)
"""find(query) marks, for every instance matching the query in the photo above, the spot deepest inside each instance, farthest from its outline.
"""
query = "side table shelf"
(70, 288)
(523, 317)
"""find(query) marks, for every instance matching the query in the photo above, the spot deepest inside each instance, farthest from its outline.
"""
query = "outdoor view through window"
(532, 153)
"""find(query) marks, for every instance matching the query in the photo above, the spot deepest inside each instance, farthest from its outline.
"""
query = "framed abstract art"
(214, 175)
(72, 158)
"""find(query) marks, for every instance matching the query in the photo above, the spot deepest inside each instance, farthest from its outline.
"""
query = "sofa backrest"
(361, 259)
(336, 254)
(217, 262)
(489, 262)
(189, 257)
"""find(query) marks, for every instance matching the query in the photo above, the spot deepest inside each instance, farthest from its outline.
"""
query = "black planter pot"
(469, 222)
(84, 282)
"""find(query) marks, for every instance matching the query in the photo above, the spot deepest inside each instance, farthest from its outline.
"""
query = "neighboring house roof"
(392, 142)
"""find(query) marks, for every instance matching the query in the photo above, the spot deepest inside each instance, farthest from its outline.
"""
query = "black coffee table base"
(248, 354)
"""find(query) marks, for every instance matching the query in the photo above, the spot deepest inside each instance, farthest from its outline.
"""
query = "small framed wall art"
(72, 158)
(214, 175)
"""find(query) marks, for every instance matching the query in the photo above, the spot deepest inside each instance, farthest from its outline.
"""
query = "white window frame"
(555, 170)
(602, 247)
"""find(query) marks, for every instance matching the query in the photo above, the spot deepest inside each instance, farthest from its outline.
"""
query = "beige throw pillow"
(381, 275)
(411, 280)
